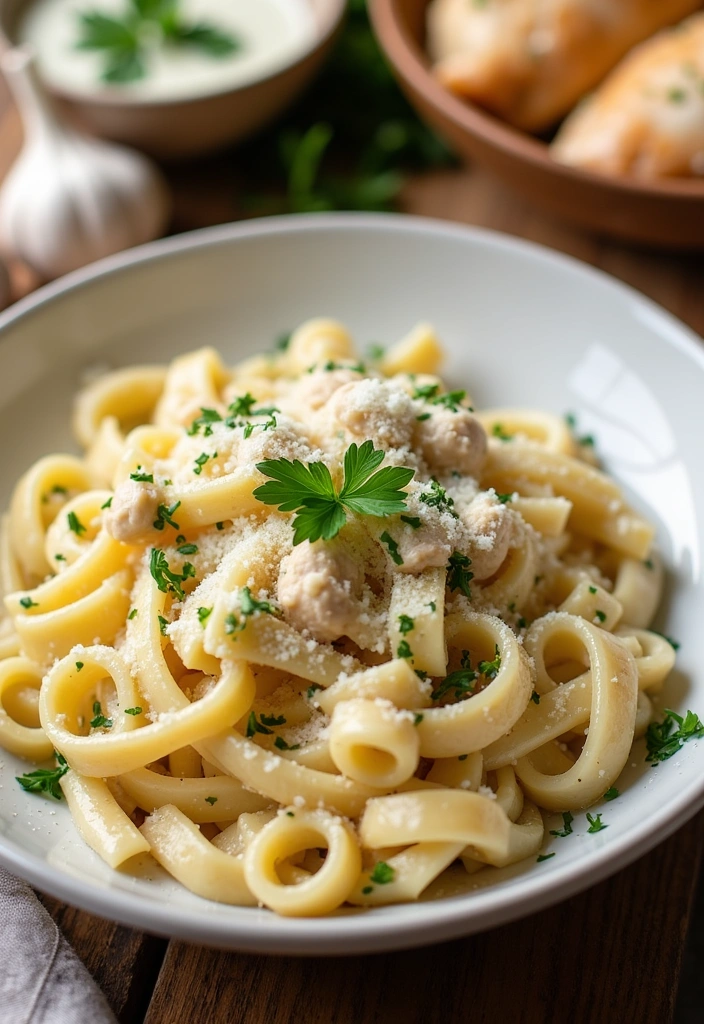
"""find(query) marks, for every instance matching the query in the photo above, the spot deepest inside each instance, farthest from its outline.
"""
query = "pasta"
(309, 632)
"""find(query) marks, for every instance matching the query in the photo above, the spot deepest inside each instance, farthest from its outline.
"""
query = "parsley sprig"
(662, 742)
(45, 780)
(128, 41)
(321, 510)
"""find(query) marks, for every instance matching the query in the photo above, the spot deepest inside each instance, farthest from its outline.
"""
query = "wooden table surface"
(611, 954)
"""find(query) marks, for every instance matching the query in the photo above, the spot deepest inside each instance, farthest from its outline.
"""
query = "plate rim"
(364, 932)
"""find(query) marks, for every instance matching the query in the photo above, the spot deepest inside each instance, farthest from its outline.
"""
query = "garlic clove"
(70, 199)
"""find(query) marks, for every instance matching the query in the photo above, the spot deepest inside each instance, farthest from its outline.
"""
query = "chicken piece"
(133, 510)
(647, 119)
(491, 530)
(320, 586)
(313, 390)
(427, 547)
(530, 61)
(452, 441)
(373, 409)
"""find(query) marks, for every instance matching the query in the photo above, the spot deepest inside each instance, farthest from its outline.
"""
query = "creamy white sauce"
(273, 33)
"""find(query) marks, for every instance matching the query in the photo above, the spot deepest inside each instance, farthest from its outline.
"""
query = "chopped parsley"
(413, 521)
(79, 665)
(503, 499)
(219, 526)
(403, 650)
(201, 461)
(566, 829)
(133, 613)
(108, 503)
(461, 682)
(45, 780)
(544, 856)
(417, 718)
(611, 794)
(437, 497)
(649, 564)
(99, 721)
(535, 697)
(595, 823)
(321, 510)
(463, 757)
(281, 743)
(382, 874)
(498, 431)
(311, 690)
(187, 549)
(405, 624)
(490, 669)
(375, 352)
(263, 723)
(283, 341)
(165, 578)
(459, 574)
(203, 614)
(27, 602)
(133, 711)
(75, 524)
(592, 590)
(432, 606)
(601, 616)
(141, 477)
(392, 546)
(211, 800)
(205, 420)
(248, 606)
(60, 558)
(164, 514)
(663, 743)
(163, 623)
(451, 400)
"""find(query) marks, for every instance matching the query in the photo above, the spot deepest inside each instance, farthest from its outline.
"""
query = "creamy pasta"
(310, 631)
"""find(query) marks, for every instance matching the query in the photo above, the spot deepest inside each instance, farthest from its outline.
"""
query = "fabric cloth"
(42, 981)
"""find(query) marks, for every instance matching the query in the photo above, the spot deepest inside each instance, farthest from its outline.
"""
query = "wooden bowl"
(185, 128)
(668, 212)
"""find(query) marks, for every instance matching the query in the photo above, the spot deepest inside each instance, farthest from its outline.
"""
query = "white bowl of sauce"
(185, 99)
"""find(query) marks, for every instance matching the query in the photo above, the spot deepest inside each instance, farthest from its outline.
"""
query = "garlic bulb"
(69, 198)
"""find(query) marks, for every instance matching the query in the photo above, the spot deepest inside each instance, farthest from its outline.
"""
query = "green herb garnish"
(392, 546)
(663, 743)
(128, 42)
(45, 780)
(459, 574)
(99, 721)
(566, 829)
(595, 823)
(405, 624)
(75, 524)
(164, 514)
(321, 510)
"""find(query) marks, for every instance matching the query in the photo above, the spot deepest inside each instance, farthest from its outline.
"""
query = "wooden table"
(610, 955)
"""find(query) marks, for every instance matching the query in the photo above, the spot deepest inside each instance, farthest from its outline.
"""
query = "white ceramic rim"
(363, 933)
(329, 23)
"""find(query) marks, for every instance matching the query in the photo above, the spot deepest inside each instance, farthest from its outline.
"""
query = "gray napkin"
(42, 981)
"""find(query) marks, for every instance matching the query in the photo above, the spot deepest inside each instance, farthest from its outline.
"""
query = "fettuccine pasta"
(309, 631)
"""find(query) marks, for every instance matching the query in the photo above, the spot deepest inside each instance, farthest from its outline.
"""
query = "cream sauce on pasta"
(310, 723)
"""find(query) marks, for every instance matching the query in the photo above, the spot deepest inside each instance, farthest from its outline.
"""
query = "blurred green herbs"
(347, 144)
(127, 41)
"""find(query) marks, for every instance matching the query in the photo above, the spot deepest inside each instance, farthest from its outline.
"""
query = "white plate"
(523, 326)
